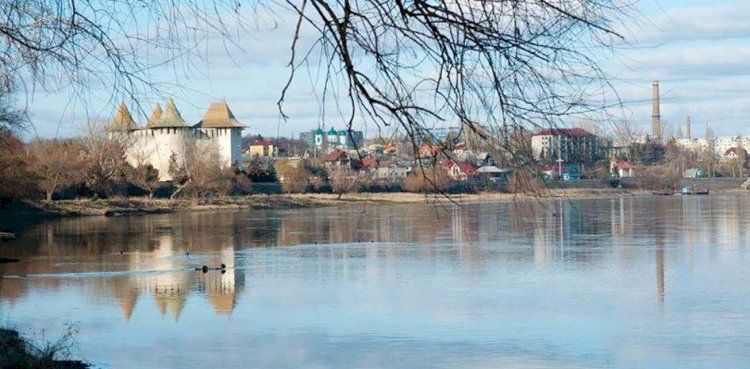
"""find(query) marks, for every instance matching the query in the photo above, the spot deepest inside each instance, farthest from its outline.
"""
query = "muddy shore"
(134, 206)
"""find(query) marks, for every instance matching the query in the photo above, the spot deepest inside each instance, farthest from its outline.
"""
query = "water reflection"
(482, 274)
(159, 252)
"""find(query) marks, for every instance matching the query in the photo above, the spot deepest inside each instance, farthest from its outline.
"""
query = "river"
(633, 282)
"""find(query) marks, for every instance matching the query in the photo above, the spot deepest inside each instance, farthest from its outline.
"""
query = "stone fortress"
(167, 135)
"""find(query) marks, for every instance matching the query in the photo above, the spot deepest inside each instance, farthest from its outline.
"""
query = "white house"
(166, 135)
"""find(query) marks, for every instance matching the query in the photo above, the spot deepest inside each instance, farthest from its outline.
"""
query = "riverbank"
(135, 206)
(17, 353)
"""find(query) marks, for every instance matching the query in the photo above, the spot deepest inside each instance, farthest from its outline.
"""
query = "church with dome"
(331, 139)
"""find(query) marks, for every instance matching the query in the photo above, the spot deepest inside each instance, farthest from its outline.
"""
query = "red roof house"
(459, 171)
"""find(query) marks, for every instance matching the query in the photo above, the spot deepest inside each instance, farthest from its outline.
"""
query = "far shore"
(143, 205)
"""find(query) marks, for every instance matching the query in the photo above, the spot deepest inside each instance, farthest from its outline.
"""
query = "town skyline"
(676, 44)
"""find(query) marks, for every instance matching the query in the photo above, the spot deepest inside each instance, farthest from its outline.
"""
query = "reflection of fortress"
(478, 235)
(170, 289)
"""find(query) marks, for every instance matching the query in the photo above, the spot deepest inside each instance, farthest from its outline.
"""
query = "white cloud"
(693, 23)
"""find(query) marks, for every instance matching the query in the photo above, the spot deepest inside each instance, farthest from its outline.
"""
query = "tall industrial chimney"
(655, 115)
(687, 125)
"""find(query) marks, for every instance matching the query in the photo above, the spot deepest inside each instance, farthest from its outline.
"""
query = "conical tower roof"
(123, 120)
(127, 303)
(170, 117)
(155, 116)
(223, 304)
(219, 116)
(173, 303)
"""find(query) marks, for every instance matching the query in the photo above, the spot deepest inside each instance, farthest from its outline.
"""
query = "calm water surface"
(606, 283)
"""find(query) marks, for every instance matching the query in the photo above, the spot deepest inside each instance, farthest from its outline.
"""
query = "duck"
(206, 268)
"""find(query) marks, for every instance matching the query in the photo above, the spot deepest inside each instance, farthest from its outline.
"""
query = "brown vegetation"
(202, 173)
(523, 181)
(54, 164)
(344, 180)
(103, 161)
(15, 179)
(294, 175)
(430, 180)
(660, 177)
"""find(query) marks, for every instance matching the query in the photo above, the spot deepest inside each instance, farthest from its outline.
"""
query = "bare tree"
(140, 172)
(741, 154)
(143, 176)
(504, 63)
(202, 172)
(626, 133)
(708, 155)
(11, 118)
(15, 179)
(432, 180)
(103, 159)
(54, 164)
(344, 180)
(294, 175)
(112, 43)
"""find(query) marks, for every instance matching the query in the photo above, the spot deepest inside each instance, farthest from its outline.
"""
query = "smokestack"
(687, 125)
(655, 115)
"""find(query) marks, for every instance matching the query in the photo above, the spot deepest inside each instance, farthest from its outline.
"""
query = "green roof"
(318, 131)
(343, 132)
(332, 131)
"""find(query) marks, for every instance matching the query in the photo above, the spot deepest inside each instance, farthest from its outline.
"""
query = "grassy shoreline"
(18, 352)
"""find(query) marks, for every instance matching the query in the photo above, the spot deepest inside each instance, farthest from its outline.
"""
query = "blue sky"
(699, 50)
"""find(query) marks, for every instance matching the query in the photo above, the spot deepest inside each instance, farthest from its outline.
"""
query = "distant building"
(734, 153)
(166, 134)
(459, 171)
(621, 169)
(720, 144)
(263, 149)
(392, 172)
(441, 133)
(337, 157)
(493, 173)
(692, 173)
(326, 141)
(571, 145)
(428, 151)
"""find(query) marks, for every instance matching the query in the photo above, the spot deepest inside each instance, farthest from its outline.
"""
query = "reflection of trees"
(153, 248)
(478, 236)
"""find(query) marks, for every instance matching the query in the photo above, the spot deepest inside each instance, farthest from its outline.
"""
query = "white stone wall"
(229, 142)
(156, 146)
